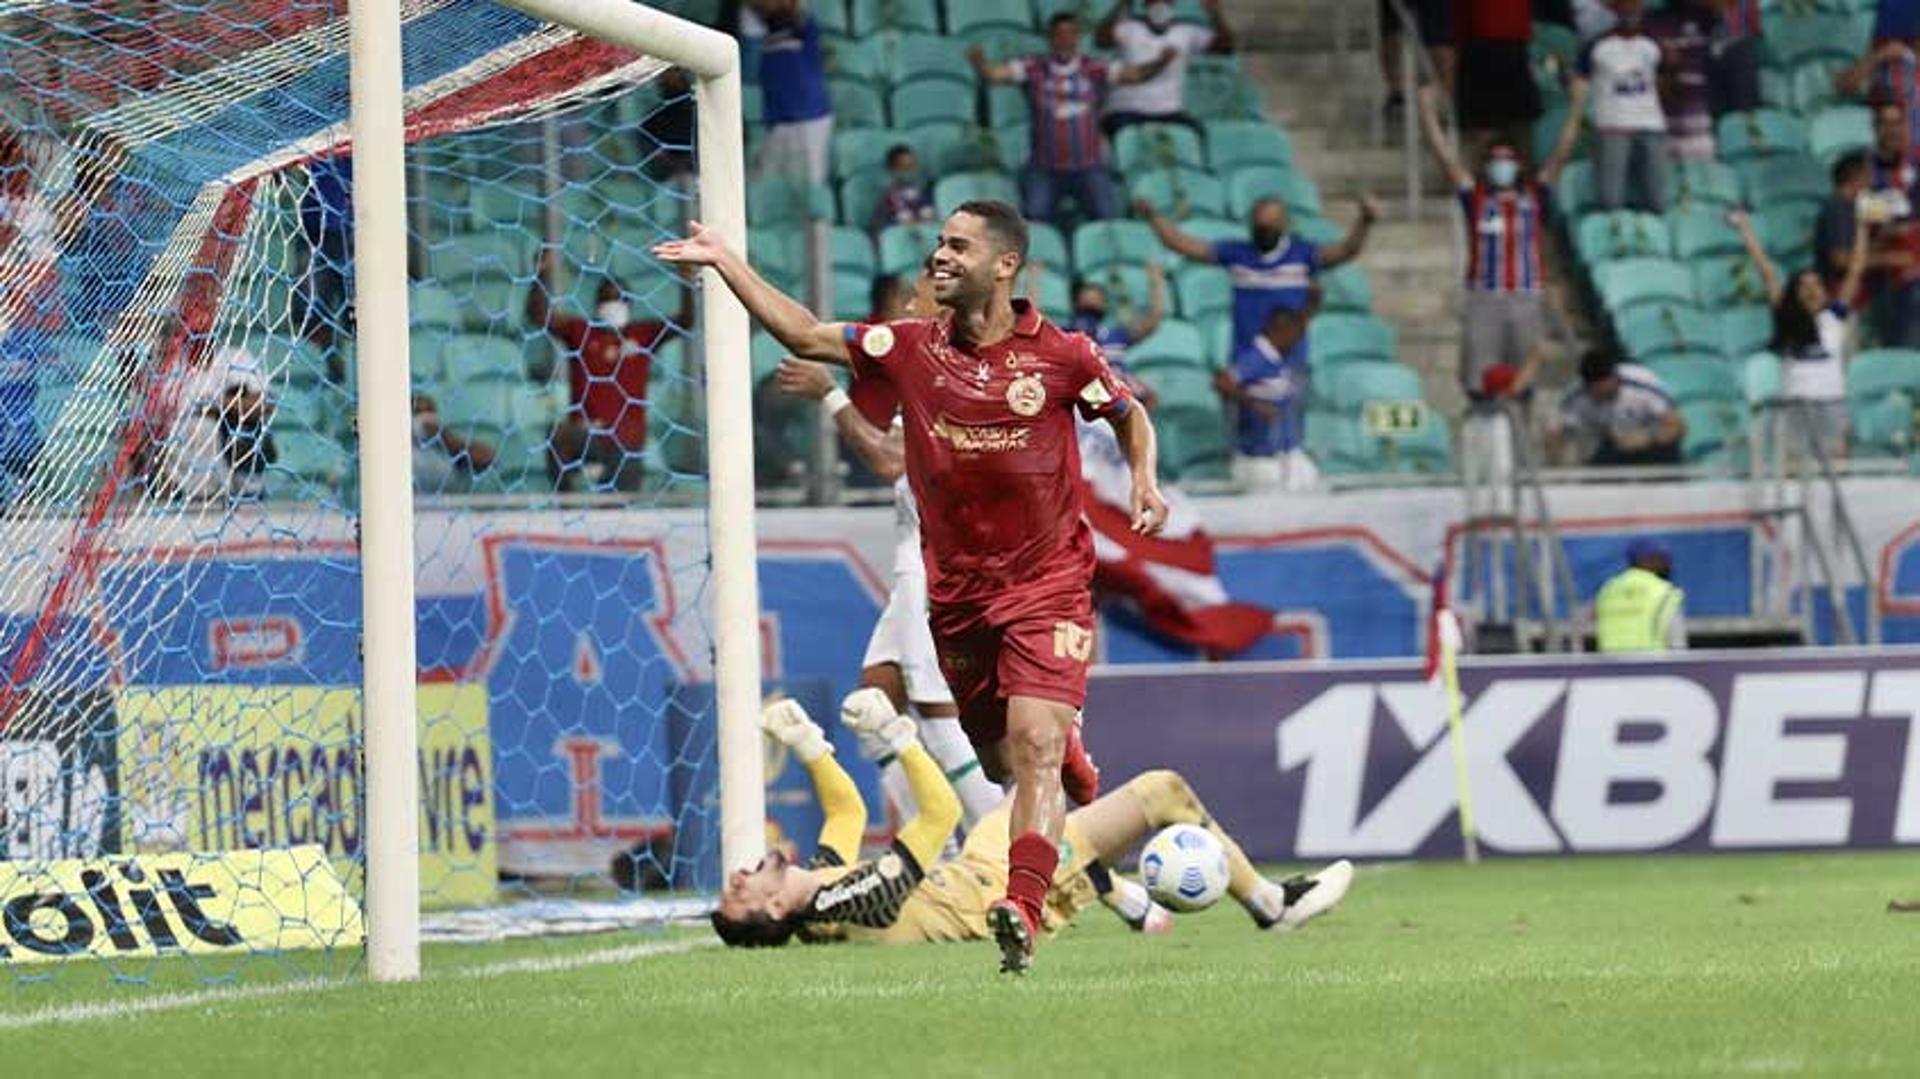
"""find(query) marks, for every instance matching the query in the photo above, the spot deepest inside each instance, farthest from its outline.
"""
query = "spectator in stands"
(1434, 21)
(1162, 98)
(1508, 215)
(1892, 165)
(1733, 75)
(1066, 90)
(1495, 97)
(444, 459)
(1268, 384)
(1810, 333)
(1833, 229)
(218, 445)
(1275, 269)
(1623, 412)
(326, 220)
(1620, 74)
(1889, 71)
(793, 79)
(1685, 33)
(666, 135)
(907, 199)
(31, 308)
(602, 438)
(1093, 316)
(1640, 611)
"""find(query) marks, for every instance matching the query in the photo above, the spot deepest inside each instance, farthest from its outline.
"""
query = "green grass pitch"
(1732, 965)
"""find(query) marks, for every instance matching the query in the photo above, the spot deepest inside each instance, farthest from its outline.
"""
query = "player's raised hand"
(1149, 508)
(870, 714)
(702, 247)
(800, 378)
(788, 724)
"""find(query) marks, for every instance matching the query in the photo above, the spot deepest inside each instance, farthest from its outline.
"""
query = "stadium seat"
(1192, 437)
(856, 104)
(1650, 331)
(852, 251)
(1760, 378)
(1233, 144)
(1126, 285)
(1007, 105)
(1760, 133)
(1628, 283)
(1727, 281)
(904, 247)
(859, 194)
(780, 200)
(453, 259)
(1425, 449)
(833, 17)
(1203, 290)
(1351, 385)
(930, 57)
(1220, 92)
(1213, 230)
(1714, 431)
(1620, 235)
(471, 356)
(1696, 380)
(1181, 193)
(1349, 337)
(1183, 385)
(950, 191)
(1795, 39)
(766, 355)
(1047, 247)
(1786, 231)
(1176, 343)
(926, 101)
(870, 17)
(1346, 288)
(1141, 147)
(1838, 130)
(1055, 293)
(1703, 231)
(859, 58)
(1883, 426)
(312, 457)
(1811, 86)
(1003, 43)
(310, 407)
(939, 141)
(852, 295)
(1693, 185)
(1250, 184)
(864, 150)
(973, 14)
(1783, 179)
(502, 202)
(1745, 330)
(1097, 243)
(780, 252)
(1879, 372)
(1574, 193)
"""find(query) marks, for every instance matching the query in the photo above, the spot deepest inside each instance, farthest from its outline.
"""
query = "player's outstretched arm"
(1142, 450)
(789, 321)
(883, 451)
(846, 814)
(869, 712)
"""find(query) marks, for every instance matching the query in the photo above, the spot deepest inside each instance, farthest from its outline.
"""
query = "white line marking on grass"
(166, 1002)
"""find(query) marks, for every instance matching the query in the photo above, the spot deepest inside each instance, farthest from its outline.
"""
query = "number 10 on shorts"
(1072, 642)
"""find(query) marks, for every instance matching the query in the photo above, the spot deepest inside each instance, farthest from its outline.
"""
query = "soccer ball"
(1184, 868)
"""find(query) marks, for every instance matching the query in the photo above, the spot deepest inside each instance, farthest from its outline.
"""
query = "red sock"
(1079, 776)
(1031, 860)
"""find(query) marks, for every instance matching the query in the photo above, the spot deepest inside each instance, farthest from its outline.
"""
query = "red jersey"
(608, 373)
(991, 452)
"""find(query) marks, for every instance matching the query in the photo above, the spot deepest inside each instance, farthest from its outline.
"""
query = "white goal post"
(386, 500)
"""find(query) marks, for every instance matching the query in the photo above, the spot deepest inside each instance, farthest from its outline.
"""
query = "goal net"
(182, 769)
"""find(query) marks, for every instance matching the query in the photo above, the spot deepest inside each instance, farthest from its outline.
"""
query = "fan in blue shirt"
(1269, 382)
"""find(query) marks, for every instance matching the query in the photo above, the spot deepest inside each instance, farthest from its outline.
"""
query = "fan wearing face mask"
(1507, 215)
(1143, 38)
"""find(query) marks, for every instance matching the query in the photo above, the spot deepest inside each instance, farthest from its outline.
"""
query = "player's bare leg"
(1035, 744)
(1116, 825)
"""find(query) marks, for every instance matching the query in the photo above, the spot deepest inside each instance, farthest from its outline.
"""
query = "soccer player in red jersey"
(987, 393)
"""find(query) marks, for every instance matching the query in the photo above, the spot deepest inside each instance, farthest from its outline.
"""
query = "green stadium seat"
(1793, 40)
(500, 202)
(1351, 385)
(860, 58)
(1787, 178)
(1574, 193)
(974, 14)
(1760, 133)
(1219, 92)
(1714, 431)
(856, 104)
(520, 461)
(1625, 284)
(310, 407)
(1217, 331)
(314, 458)
(1003, 43)
(1838, 130)
(1703, 231)
(1233, 144)
(1248, 185)
(1760, 378)
(1097, 243)
(471, 356)
(939, 141)
(1054, 292)
(1047, 247)
(1332, 439)
(1002, 149)
(453, 259)
(1622, 234)
(1811, 86)
(930, 57)
(1346, 288)
(1650, 331)
(833, 17)
(1008, 105)
(1182, 386)
(1695, 380)
(779, 252)
(1745, 330)
(1879, 372)
(766, 355)
(781, 200)
(1141, 147)
(1181, 193)
(1426, 449)
(1883, 426)
(864, 150)
(859, 194)
(1193, 439)
(905, 246)
(1126, 285)
(852, 251)
(1302, 196)
(1349, 337)
(1727, 281)
(929, 101)
(1786, 231)
(870, 17)
(472, 403)
(1203, 290)
(1701, 185)
(852, 295)
(950, 191)
(1175, 343)
(1213, 230)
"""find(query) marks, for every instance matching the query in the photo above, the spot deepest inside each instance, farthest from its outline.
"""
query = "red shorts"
(1024, 644)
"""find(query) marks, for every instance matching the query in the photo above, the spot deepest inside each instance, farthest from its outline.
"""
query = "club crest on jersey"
(1026, 395)
(877, 342)
(983, 373)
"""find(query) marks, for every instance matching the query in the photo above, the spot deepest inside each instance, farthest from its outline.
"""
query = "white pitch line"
(166, 1002)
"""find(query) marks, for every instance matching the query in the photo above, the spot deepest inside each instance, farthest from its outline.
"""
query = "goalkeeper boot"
(1310, 897)
(1013, 933)
(1079, 776)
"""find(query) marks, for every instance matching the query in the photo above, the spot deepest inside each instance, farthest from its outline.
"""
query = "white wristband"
(835, 400)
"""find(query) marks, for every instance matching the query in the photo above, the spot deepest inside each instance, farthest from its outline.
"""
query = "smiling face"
(1810, 291)
(968, 266)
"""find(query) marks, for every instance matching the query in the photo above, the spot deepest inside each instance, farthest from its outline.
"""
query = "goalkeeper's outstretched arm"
(789, 321)
(869, 712)
(846, 814)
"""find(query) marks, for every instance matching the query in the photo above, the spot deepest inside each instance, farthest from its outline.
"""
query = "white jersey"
(1624, 72)
(1818, 372)
(906, 530)
(1139, 45)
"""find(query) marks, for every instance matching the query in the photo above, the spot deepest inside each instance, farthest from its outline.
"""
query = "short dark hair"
(894, 152)
(1850, 167)
(1003, 222)
(1060, 17)
(756, 930)
(882, 286)
(1596, 365)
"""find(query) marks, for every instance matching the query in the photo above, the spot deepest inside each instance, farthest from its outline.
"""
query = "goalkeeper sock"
(947, 743)
(1031, 860)
(1123, 896)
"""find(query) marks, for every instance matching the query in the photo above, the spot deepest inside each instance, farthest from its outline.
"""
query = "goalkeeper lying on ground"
(908, 895)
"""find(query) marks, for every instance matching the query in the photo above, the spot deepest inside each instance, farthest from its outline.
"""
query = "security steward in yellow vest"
(1640, 610)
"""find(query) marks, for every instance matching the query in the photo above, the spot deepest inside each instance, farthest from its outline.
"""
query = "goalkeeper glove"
(787, 723)
(868, 713)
